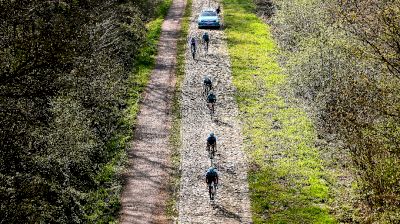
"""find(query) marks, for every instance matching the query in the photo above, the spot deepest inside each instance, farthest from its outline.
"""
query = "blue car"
(208, 18)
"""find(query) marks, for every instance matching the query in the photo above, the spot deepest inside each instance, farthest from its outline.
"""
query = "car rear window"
(208, 14)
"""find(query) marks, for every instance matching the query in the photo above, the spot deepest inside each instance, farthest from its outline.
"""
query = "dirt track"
(144, 195)
(232, 202)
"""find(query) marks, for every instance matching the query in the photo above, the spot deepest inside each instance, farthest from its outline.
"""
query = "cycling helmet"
(212, 134)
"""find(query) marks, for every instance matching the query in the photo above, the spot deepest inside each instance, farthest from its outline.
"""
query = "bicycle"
(212, 190)
(206, 89)
(193, 50)
(211, 108)
(205, 43)
(211, 150)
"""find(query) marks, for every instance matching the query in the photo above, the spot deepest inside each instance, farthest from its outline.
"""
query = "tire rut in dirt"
(144, 195)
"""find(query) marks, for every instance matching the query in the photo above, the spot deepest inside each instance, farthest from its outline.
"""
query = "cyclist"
(206, 40)
(207, 83)
(211, 141)
(211, 176)
(211, 99)
(193, 45)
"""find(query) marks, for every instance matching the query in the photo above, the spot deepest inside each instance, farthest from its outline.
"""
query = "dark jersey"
(211, 175)
(206, 38)
(211, 140)
(211, 98)
(207, 81)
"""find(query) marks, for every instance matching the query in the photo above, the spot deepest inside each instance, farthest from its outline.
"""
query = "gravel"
(232, 201)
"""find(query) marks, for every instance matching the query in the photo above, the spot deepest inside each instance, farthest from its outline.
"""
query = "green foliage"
(341, 58)
(175, 138)
(109, 176)
(287, 179)
(162, 8)
(64, 83)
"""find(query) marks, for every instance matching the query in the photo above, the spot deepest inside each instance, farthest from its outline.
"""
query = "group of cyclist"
(205, 38)
(211, 97)
(211, 174)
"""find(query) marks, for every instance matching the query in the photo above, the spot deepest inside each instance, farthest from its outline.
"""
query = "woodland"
(67, 69)
(343, 58)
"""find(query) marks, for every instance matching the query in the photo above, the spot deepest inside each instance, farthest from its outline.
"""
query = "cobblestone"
(232, 202)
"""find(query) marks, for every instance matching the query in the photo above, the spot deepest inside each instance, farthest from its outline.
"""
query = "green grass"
(287, 180)
(175, 138)
(105, 202)
(145, 61)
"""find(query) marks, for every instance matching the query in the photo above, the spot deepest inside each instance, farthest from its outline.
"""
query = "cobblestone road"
(232, 201)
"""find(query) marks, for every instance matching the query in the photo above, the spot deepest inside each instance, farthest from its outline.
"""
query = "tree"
(343, 58)
(63, 88)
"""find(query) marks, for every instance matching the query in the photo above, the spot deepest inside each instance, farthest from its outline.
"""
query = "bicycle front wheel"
(213, 151)
(214, 190)
(193, 51)
(210, 191)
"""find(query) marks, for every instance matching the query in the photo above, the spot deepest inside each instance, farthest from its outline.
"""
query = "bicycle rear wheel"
(213, 151)
(210, 107)
(212, 191)
(193, 50)
(206, 90)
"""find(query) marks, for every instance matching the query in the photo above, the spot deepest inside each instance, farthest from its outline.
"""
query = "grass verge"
(105, 202)
(287, 179)
(175, 139)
